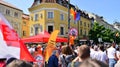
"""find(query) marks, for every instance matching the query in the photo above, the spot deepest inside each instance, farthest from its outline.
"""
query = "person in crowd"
(101, 55)
(37, 51)
(66, 56)
(19, 63)
(111, 53)
(10, 60)
(76, 50)
(106, 47)
(118, 63)
(117, 51)
(92, 63)
(72, 38)
(95, 55)
(94, 51)
(53, 60)
(118, 55)
(83, 54)
(32, 50)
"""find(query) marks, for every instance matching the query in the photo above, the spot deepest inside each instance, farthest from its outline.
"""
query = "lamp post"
(68, 20)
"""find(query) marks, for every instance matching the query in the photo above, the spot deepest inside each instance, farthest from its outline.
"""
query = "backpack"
(68, 59)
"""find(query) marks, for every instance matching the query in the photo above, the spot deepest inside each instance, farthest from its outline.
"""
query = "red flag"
(10, 43)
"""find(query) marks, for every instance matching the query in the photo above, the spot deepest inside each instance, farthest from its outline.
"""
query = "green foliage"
(99, 31)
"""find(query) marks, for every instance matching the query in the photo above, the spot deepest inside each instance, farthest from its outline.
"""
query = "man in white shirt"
(111, 52)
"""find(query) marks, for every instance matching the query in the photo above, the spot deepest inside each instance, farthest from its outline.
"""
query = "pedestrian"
(19, 63)
(66, 56)
(93, 63)
(101, 55)
(111, 53)
(83, 54)
(53, 60)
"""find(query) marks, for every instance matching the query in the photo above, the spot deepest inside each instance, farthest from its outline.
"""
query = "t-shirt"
(102, 56)
(111, 52)
(93, 54)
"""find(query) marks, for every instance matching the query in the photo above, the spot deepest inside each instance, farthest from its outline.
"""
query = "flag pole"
(68, 20)
(78, 31)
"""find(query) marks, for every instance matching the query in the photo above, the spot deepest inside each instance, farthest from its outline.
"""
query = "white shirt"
(31, 50)
(111, 52)
(93, 54)
(102, 56)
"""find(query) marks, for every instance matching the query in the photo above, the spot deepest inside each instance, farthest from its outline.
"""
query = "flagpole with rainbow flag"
(76, 15)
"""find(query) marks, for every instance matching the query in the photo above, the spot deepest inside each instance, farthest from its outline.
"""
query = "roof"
(8, 4)
(25, 16)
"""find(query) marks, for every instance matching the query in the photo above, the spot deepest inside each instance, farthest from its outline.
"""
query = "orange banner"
(51, 45)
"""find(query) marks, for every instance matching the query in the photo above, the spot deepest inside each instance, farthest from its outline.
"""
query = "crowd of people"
(67, 56)
(77, 56)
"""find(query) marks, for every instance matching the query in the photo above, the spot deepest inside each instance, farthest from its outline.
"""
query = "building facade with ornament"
(50, 15)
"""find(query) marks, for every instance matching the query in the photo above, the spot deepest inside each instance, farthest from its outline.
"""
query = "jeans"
(112, 62)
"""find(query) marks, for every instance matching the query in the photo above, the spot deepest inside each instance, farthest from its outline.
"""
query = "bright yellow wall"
(25, 27)
(87, 21)
(43, 8)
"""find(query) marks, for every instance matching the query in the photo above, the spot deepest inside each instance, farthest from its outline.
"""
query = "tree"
(96, 32)
(99, 31)
(108, 35)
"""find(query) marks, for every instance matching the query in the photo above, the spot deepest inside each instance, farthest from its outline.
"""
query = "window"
(16, 25)
(24, 33)
(41, 16)
(61, 17)
(50, 29)
(61, 30)
(88, 25)
(50, 15)
(36, 17)
(15, 14)
(85, 33)
(80, 22)
(84, 23)
(36, 30)
(7, 12)
(81, 32)
(31, 30)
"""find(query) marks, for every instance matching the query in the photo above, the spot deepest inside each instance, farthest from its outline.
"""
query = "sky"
(109, 9)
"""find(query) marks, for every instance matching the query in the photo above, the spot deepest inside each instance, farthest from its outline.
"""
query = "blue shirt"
(53, 61)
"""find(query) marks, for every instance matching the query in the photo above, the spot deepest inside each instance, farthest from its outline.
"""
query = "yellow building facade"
(84, 26)
(49, 16)
(25, 26)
